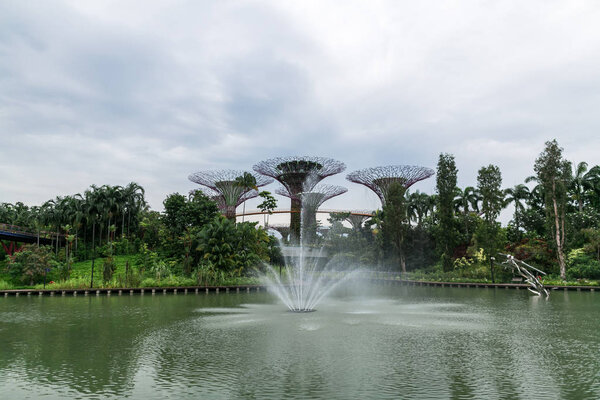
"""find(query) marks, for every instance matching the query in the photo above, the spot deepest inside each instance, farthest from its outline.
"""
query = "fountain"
(305, 282)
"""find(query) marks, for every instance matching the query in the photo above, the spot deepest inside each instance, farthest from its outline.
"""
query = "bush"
(6, 285)
(582, 265)
(31, 264)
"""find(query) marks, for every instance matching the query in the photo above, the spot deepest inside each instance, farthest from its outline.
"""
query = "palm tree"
(418, 206)
(465, 198)
(93, 209)
(592, 182)
(536, 195)
(579, 185)
(134, 202)
(248, 182)
(517, 195)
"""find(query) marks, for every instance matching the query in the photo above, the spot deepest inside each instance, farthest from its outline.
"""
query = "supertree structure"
(298, 175)
(222, 204)
(284, 230)
(311, 201)
(225, 188)
(379, 179)
(357, 220)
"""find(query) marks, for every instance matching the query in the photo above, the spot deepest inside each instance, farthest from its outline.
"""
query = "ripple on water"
(447, 345)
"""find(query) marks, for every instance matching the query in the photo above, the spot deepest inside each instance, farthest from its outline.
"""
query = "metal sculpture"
(298, 175)
(528, 273)
(379, 179)
(225, 188)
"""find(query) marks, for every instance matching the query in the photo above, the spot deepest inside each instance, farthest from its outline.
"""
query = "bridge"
(14, 234)
(362, 213)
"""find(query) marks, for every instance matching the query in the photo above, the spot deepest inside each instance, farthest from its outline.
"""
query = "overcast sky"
(110, 92)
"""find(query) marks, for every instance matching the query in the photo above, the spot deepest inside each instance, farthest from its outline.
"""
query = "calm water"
(377, 342)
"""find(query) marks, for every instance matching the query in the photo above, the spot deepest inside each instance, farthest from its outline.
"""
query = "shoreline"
(257, 288)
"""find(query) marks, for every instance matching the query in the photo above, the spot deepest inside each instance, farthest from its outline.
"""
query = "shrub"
(108, 268)
(581, 264)
(6, 285)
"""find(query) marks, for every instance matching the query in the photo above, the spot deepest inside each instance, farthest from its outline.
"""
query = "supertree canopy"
(227, 187)
(379, 179)
(298, 175)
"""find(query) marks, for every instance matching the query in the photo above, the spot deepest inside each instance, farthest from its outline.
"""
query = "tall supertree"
(379, 179)
(298, 175)
(311, 201)
(227, 189)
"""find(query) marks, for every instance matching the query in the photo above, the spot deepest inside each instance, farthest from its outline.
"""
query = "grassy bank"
(81, 273)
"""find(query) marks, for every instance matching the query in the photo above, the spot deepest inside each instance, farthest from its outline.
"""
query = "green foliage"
(446, 235)
(108, 268)
(146, 259)
(268, 204)
(489, 181)
(394, 224)
(581, 264)
(232, 248)
(6, 285)
(182, 214)
(554, 175)
(31, 263)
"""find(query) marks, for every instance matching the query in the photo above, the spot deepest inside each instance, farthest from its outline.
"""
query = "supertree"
(227, 188)
(311, 201)
(379, 179)
(284, 230)
(222, 204)
(297, 175)
(356, 220)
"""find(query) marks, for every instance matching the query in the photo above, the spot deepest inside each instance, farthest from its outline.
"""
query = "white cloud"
(112, 92)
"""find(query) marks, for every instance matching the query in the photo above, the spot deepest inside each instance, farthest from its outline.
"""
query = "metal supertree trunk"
(222, 204)
(226, 191)
(311, 201)
(379, 179)
(356, 221)
(298, 175)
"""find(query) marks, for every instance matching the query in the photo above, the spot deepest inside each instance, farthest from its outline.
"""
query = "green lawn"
(83, 269)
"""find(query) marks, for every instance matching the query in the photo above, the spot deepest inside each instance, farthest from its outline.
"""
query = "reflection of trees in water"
(90, 345)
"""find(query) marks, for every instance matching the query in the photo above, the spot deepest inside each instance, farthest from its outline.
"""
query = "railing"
(286, 211)
(18, 230)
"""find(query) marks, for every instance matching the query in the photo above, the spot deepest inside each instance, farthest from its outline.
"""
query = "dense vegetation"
(111, 238)
(189, 243)
(455, 234)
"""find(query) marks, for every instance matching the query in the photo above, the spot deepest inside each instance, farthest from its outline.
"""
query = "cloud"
(112, 92)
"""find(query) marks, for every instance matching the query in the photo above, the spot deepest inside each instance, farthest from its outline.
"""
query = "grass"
(6, 285)
(81, 277)
(454, 277)
(83, 269)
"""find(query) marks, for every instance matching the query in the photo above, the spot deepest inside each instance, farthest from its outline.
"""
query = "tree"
(517, 195)
(247, 181)
(268, 205)
(554, 174)
(446, 190)
(418, 206)
(230, 248)
(465, 198)
(31, 263)
(394, 221)
(489, 181)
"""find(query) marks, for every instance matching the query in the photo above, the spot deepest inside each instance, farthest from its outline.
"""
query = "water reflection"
(382, 343)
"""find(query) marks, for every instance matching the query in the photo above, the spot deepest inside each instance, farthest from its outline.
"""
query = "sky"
(110, 92)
